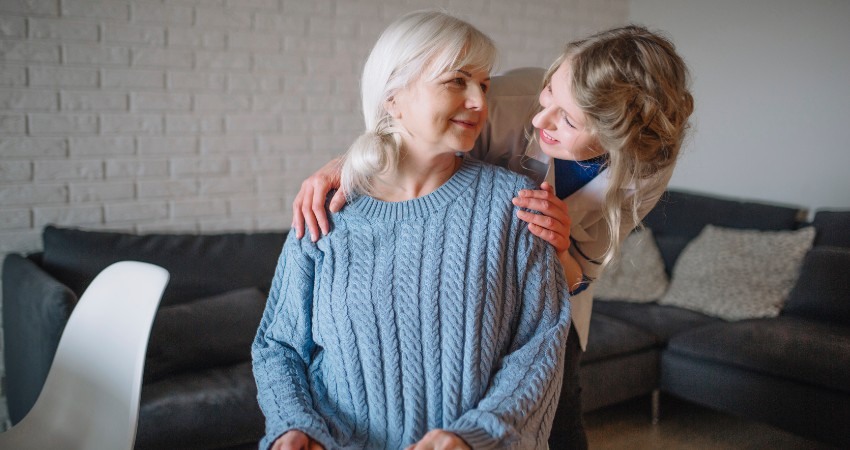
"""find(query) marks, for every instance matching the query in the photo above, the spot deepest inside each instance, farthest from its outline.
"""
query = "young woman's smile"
(544, 136)
(561, 123)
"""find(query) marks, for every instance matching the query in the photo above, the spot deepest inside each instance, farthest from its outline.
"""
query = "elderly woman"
(430, 316)
(603, 126)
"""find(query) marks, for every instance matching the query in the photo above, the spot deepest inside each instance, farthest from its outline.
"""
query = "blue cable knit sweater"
(439, 312)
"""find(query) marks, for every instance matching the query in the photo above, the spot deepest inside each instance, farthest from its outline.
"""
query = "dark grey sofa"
(792, 371)
(199, 391)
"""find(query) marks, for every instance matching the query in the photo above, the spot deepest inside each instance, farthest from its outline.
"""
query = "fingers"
(318, 208)
(536, 193)
(548, 229)
(546, 192)
(315, 446)
(298, 217)
(542, 221)
(548, 187)
(551, 207)
(309, 204)
(558, 241)
(439, 440)
(292, 440)
(337, 201)
(545, 206)
(307, 211)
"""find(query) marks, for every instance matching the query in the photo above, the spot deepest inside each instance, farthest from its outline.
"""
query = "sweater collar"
(422, 206)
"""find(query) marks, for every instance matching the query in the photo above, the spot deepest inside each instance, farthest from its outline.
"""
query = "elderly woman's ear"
(392, 107)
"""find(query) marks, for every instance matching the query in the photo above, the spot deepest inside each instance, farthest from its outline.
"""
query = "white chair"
(90, 399)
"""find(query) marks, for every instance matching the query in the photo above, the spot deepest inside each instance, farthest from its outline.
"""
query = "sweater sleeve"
(520, 402)
(283, 349)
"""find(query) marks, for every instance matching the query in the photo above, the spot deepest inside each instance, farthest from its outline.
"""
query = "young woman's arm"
(309, 204)
(283, 347)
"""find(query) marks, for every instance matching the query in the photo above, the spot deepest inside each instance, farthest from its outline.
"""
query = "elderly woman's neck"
(416, 176)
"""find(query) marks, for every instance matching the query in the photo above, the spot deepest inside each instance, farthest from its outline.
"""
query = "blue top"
(571, 176)
(439, 312)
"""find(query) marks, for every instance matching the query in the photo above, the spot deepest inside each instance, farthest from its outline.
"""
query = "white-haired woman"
(603, 126)
(429, 318)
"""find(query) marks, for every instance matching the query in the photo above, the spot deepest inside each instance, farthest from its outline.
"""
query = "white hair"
(419, 44)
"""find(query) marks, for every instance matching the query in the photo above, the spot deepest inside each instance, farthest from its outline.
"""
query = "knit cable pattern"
(439, 312)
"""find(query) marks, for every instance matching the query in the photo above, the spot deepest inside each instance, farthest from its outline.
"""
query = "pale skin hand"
(552, 225)
(295, 440)
(439, 440)
(309, 204)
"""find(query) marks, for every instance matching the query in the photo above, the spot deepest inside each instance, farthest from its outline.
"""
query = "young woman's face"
(445, 114)
(561, 124)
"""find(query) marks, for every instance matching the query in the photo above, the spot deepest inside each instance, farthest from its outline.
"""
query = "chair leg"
(656, 406)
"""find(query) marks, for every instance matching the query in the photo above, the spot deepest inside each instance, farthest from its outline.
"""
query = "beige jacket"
(512, 101)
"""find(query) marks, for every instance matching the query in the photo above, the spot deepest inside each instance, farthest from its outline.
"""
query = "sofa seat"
(785, 347)
(621, 362)
(661, 321)
(202, 409)
(610, 337)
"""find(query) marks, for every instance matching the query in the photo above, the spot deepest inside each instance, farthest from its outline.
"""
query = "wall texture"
(772, 98)
(202, 116)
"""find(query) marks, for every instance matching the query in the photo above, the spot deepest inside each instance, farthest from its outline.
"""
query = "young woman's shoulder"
(521, 81)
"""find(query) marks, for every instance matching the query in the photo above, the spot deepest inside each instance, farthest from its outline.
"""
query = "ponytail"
(373, 153)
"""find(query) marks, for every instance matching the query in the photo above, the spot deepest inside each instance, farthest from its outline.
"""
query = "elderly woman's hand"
(296, 440)
(553, 222)
(439, 440)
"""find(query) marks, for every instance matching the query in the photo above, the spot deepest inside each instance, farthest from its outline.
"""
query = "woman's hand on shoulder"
(309, 204)
(553, 222)
(295, 440)
(439, 440)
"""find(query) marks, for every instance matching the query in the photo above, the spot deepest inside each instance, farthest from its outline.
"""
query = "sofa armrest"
(36, 308)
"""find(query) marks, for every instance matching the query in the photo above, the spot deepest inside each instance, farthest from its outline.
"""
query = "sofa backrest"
(822, 291)
(200, 265)
(680, 216)
(832, 228)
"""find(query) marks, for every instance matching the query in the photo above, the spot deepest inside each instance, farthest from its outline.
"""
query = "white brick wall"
(202, 116)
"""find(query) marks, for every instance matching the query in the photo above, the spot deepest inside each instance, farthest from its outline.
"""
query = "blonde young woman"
(607, 121)
(428, 318)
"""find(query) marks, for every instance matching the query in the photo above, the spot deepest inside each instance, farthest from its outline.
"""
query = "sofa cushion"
(210, 332)
(638, 276)
(670, 246)
(680, 216)
(214, 408)
(785, 347)
(610, 337)
(661, 321)
(200, 265)
(822, 291)
(738, 274)
(833, 228)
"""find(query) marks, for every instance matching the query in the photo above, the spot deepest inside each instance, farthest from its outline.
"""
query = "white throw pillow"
(738, 274)
(638, 276)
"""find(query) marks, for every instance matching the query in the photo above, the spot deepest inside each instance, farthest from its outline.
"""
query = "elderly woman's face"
(445, 114)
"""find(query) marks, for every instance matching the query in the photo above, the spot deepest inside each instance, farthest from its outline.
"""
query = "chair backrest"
(90, 399)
